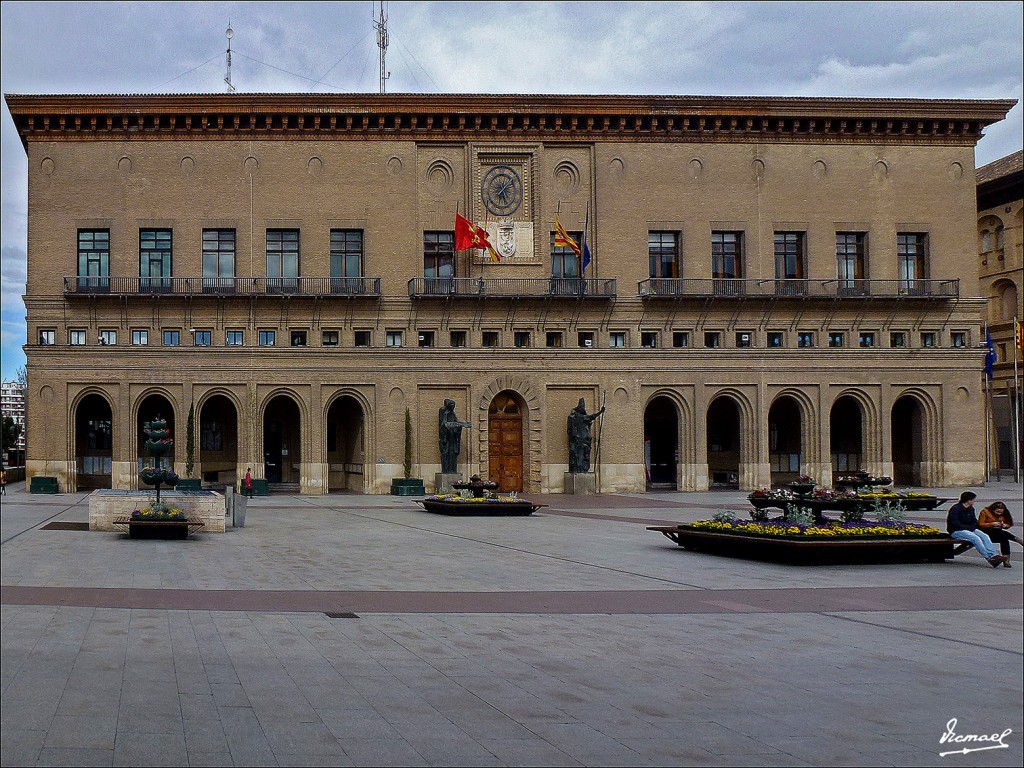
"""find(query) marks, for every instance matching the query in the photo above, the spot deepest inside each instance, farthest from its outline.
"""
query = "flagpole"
(1016, 406)
(988, 430)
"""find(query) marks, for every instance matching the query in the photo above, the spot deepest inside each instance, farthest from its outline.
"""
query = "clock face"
(502, 190)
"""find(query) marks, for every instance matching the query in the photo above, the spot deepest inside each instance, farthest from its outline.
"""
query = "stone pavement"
(570, 637)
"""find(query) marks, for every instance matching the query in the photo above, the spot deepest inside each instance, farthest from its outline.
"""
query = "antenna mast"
(381, 26)
(229, 33)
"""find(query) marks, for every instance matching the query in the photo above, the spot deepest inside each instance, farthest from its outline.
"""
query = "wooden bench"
(43, 484)
(159, 529)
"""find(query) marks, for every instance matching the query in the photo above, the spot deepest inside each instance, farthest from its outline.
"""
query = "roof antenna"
(382, 42)
(229, 33)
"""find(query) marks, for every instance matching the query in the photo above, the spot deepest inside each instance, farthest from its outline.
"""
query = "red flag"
(469, 235)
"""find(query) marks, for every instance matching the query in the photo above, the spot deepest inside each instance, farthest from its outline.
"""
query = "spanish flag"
(563, 240)
(1018, 334)
(469, 235)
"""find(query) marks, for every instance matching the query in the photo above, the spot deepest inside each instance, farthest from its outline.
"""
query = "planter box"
(193, 484)
(42, 484)
(480, 508)
(797, 550)
(407, 486)
(158, 529)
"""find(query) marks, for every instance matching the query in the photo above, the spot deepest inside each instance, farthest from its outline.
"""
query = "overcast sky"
(925, 50)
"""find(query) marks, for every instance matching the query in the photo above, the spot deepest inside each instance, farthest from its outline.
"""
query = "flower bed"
(490, 505)
(821, 499)
(826, 529)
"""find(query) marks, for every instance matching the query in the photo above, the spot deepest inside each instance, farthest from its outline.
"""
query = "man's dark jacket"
(961, 518)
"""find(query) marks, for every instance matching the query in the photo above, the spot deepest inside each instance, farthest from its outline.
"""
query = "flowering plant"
(824, 529)
(805, 479)
(159, 513)
(490, 498)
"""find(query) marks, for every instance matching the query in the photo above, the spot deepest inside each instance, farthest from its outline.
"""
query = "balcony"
(511, 287)
(705, 288)
(242, 287)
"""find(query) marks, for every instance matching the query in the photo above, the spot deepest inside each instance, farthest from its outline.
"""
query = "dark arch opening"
(907, 441)
(846, 441)
(346, 445)
(282, 430)
(723, 430)
(661, 444)
(784, 441)
(218, 441)
(94, 442)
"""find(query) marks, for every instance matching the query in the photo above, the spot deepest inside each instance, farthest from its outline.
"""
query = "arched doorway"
(282, 431)
(93, 442)
(723, 430)
(218, 440)
(784, 443)
(661, 444)
(907, 441)
(846, 441)
(345, 445)
(505, 441)
(150, 408)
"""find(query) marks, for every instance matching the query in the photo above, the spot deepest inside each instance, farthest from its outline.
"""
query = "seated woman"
(995, 520)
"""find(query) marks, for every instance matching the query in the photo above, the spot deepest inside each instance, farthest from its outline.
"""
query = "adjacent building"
(1001, 278)
(12, 404)
(778, 286)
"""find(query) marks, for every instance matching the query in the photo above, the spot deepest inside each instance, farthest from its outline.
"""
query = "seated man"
(962, 525)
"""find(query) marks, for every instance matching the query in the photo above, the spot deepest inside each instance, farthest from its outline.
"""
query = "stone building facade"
(778, 286)
(1001, 279)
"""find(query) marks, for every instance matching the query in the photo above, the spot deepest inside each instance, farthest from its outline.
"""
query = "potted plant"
(803, 485)
(188, 483)
(406, 485)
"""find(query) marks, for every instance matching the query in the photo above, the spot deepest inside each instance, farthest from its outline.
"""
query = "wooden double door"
(505, 442)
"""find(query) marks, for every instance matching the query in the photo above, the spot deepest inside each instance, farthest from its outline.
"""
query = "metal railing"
(659, 287)
(223, 286)
(512, 287)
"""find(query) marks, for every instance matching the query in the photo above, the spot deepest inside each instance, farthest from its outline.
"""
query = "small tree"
(190, 441)
(408, 444)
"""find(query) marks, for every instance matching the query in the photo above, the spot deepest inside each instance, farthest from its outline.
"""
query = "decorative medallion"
(502, 190)
(506, 239)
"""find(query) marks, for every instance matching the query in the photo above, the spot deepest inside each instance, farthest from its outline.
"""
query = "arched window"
(1008, 302)
(986, 241)
(1000, 238)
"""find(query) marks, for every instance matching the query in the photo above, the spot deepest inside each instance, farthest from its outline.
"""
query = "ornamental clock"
(502, 190)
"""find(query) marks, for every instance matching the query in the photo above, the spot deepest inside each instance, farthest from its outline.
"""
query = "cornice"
(456, 117)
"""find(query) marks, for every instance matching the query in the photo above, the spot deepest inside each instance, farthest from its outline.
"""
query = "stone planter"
(189, 484)
(407, 486)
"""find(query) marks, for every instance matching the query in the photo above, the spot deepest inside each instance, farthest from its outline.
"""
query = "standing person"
(963, 526)
(247, 483)
(995, 521)
(3, 482)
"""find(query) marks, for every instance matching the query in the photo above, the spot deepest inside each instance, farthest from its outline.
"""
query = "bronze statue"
(449, 436)
(580, 437)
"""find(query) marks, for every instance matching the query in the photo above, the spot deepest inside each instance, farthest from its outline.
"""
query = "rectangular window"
(649, 339)
(155, 260)
(712, 339)
(911, 250)
(553, 339)
(202, 338)
(363, 338)
(299, 338)
(438, 261)
(617, 339)
(235, 338)
(851, 263)
(958, 339)
(490, 338)
(744, 339)
(680, 339)
(805, 339)
(172, 338)
(663, 254)
(47, 338)
(282, 260)
(521, 339)
(94, 260)
(867, 339)
(790, 259)
(776, 339)
(267, 338)
(585, 339)
(458, 339)
(727, 255)
(835, 339)
(393, 339)
(108, 338)
(346, 260)
(140, 338)
(218, 259)
(898, 340)
(76, 338)
(329, 339)
(928, 339)
(426, 338)
(564, 263)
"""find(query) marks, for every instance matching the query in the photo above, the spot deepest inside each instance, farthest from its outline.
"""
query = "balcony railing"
(223, 286)
(658, 287)
(511, 287)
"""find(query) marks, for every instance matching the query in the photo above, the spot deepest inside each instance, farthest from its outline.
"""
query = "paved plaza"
(359, 630)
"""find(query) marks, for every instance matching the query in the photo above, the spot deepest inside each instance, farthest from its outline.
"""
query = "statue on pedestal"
(449, 436)
(580, 437)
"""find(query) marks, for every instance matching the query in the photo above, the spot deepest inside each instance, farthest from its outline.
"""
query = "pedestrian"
(247, 483)
(3, 482)
(995, 521)
(963, 526)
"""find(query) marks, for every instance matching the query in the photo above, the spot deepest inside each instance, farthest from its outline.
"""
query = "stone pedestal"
(579, 483)
(443, 481)
(106, 505)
